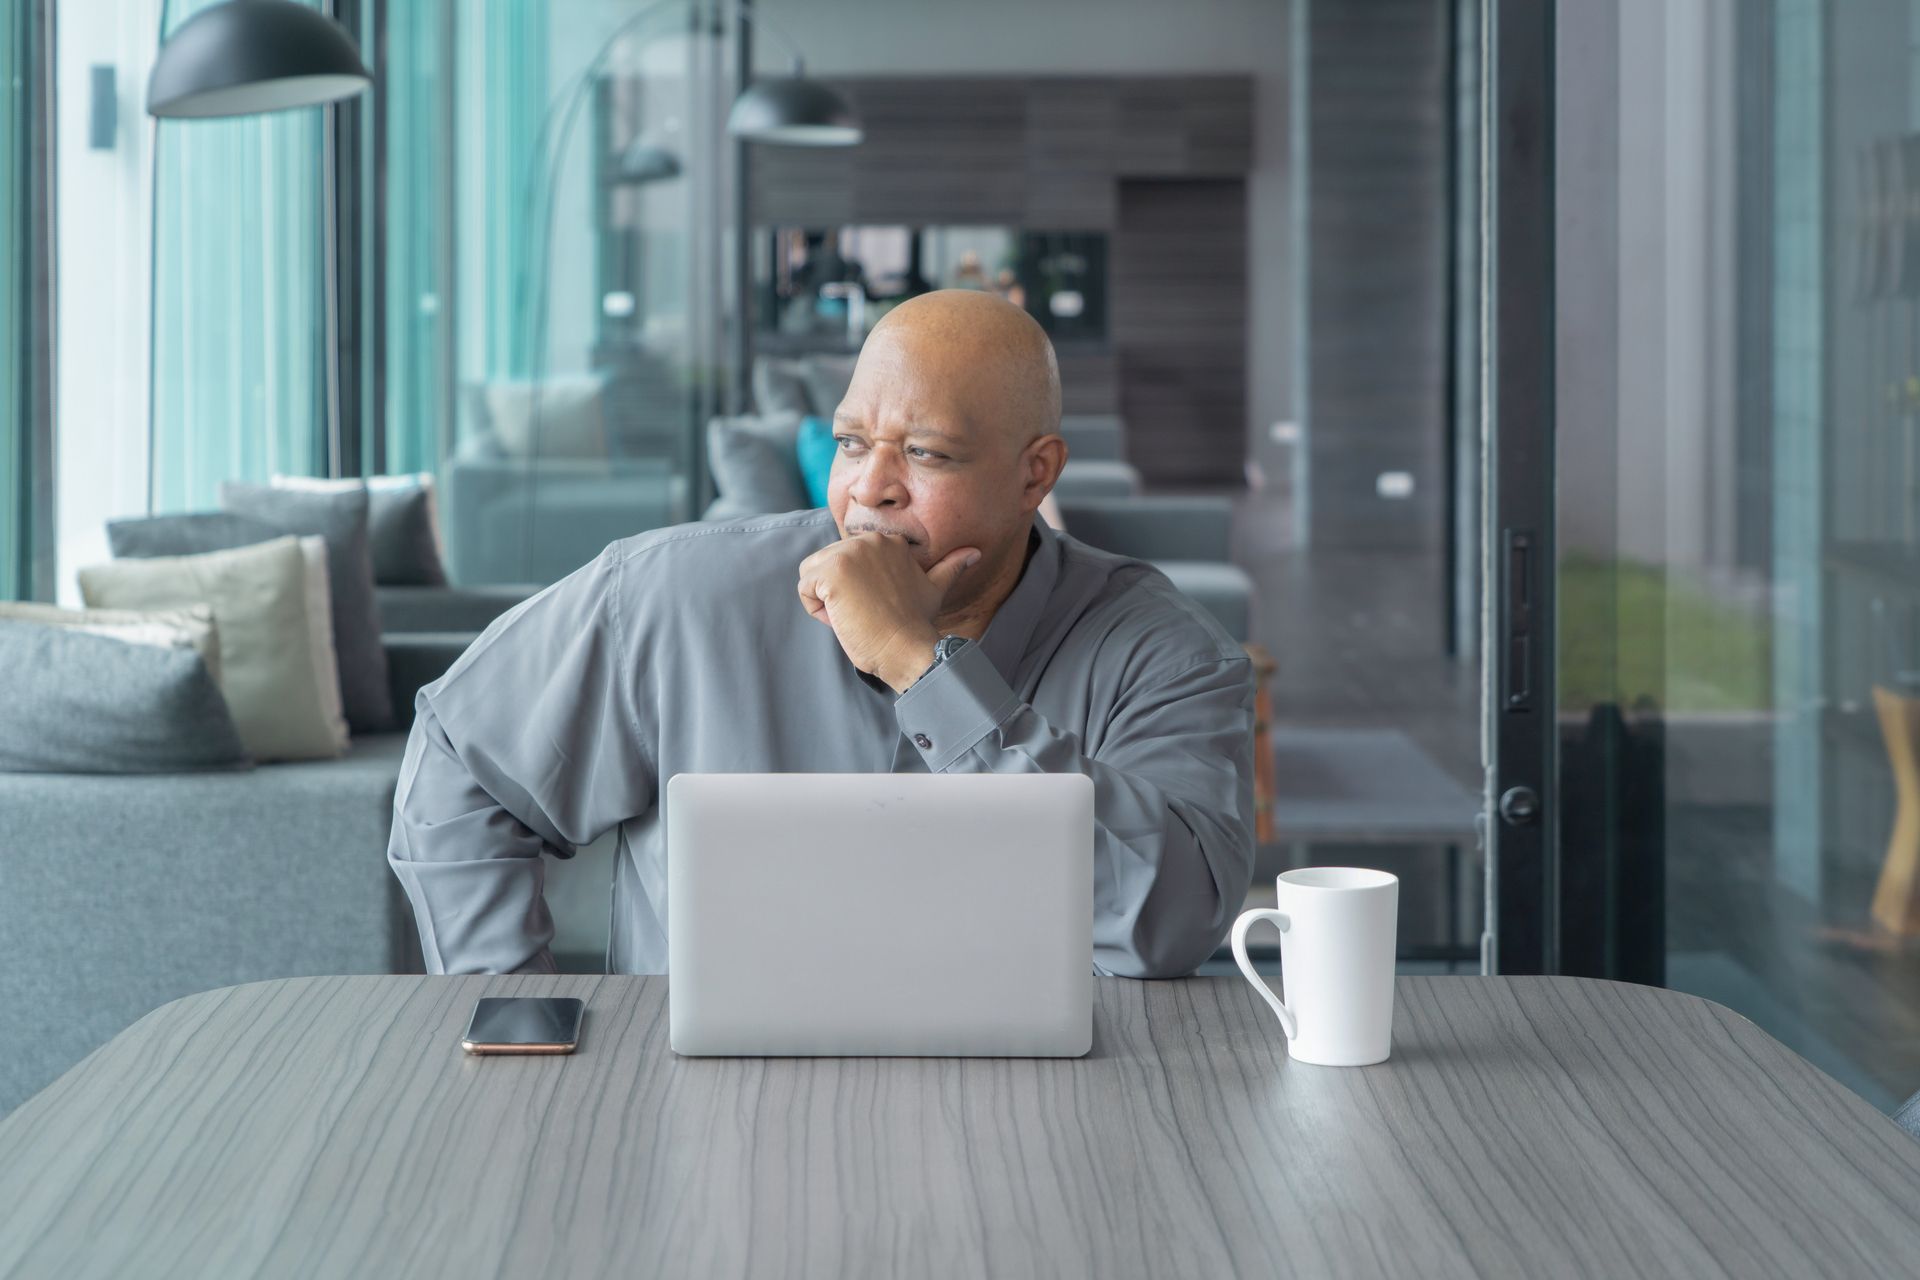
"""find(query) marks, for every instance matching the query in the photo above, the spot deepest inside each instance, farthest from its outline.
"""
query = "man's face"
(925, 452)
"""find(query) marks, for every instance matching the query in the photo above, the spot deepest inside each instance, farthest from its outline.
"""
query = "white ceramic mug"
(1336, 958)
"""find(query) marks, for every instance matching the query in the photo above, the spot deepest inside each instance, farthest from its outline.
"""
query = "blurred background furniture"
(123, 892)
(549, 473)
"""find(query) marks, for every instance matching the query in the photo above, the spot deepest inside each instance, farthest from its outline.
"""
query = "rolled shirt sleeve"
(534, 742)
(1173, 788)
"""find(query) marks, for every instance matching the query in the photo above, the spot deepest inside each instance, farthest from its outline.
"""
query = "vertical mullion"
(1518, 277)
(26, 292)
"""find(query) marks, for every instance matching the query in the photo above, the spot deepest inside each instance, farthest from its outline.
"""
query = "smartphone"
(524, 1024)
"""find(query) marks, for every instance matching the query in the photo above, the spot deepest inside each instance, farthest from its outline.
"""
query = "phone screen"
(526, 1020)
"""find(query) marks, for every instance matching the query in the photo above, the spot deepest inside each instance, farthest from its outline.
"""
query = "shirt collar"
(1006, 636)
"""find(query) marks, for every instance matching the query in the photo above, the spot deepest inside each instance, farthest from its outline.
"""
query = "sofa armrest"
(1096, 479)
(416, 661)
(1094, 437)
(1153, 527)
(406, 610)
(730, 508)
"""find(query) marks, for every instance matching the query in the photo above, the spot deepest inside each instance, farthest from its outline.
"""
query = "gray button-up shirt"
(686, 650)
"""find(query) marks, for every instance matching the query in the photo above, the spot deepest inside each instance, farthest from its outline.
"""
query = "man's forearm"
(472, 872)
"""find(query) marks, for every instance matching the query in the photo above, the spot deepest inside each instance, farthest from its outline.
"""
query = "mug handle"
(1288, 1023)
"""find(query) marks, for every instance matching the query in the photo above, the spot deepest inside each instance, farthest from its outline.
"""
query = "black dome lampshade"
(794, 111)
(643, 162)
(245, 57)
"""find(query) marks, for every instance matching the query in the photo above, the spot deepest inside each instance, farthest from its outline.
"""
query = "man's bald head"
(996, 357)
(949, 432)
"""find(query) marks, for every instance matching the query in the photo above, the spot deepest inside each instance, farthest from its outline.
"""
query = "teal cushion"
(815, 448)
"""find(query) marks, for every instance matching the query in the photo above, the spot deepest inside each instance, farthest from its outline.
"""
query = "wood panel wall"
(1376, 330)
(1179, 325)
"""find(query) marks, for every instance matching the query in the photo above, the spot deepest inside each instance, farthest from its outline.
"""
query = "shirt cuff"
(947, 711)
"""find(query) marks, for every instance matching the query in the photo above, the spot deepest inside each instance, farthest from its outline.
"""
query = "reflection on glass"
(556, 329)
(1739, 513)
(826, 288)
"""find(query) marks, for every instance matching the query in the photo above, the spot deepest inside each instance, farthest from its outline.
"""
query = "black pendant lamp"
(245, 57)
(791, 110)
(794, 111)
(643, 162)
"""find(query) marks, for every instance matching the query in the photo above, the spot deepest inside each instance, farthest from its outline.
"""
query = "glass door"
(1716, 312)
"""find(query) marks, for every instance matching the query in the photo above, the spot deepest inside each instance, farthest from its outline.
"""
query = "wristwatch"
(943, 648)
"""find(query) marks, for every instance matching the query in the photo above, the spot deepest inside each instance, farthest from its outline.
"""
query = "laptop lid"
(880, 914)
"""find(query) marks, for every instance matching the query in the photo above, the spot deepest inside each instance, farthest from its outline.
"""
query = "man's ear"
(1043, 459)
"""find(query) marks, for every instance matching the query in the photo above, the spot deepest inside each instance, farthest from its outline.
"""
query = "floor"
(1357, 639)
(1838, 993)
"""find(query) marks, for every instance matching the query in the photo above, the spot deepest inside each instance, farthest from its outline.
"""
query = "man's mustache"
(866, 527)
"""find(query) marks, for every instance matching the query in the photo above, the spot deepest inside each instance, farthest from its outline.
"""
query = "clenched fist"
(879, 601)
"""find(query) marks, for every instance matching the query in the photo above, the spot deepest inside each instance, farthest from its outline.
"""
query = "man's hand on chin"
(879, 602)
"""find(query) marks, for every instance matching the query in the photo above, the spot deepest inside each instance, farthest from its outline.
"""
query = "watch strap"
(943, 648)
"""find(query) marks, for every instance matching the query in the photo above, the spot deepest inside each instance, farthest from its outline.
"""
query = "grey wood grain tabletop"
(1524, 1126)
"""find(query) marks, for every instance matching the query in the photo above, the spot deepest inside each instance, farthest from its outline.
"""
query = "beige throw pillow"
(326, 659)
(277, 678)
(188, 628)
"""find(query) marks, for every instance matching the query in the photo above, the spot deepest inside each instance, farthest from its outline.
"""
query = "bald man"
(926, 621)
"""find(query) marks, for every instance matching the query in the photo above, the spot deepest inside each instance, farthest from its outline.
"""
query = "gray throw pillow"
(780, 387)
(400, 525)
(754, 464)
(828, 378)
(85, 703)
(340, 518)
(147, 537)
(275, 628)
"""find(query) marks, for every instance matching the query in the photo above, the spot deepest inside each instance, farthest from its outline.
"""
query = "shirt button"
(923, 742)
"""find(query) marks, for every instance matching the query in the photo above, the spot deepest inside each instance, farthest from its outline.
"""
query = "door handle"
(1517, 597)
(1519, 807)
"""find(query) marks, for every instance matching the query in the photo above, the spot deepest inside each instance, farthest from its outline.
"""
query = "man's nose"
(880, 481)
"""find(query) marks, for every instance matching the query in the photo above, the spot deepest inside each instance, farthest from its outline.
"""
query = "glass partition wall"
(1737, 371)
(556, 238)
(532, 247)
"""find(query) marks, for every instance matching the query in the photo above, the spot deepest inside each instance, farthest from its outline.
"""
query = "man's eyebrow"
(919, 431)
(932, 433)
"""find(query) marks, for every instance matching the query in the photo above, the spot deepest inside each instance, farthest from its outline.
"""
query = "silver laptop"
(869, 914)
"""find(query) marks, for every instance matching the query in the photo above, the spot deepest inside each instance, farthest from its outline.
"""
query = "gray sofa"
(542, 481)
(1097, 465)
(122, 893)
(512, 520)
(1187, 538)
(119, 893)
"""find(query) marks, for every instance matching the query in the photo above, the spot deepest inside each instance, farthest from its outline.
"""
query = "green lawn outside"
(1717, 656)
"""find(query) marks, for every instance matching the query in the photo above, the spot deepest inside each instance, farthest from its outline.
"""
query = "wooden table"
(1525, 1127)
